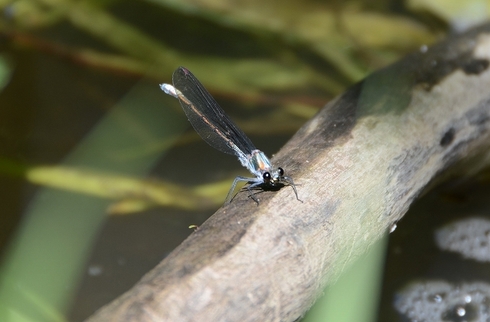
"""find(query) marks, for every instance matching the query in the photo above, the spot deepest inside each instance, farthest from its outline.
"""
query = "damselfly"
(215, 127)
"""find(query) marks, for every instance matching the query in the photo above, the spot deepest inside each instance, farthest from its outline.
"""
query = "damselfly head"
(273, 178)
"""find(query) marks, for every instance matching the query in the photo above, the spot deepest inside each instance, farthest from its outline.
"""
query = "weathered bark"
(359, 164)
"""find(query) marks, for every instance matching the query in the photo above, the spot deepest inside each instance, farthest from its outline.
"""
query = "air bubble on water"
(461, 311)
(437, 298)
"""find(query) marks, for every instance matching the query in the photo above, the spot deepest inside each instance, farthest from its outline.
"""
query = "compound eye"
(267, 177)
(280, 171)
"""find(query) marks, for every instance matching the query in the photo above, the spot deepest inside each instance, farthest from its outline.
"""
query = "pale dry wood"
(359, 164)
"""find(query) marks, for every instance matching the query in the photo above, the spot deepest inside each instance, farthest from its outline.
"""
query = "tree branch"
(359, 164)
